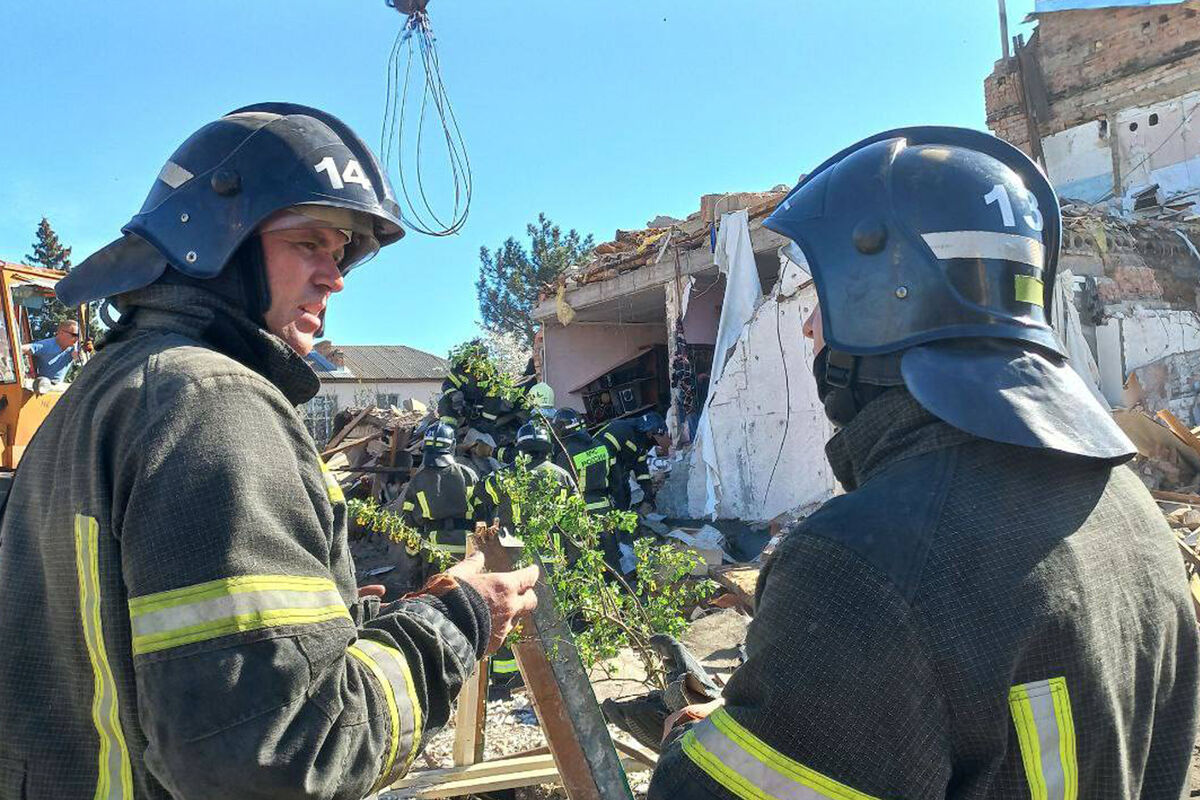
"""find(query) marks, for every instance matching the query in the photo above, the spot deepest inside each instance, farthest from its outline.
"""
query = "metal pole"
(1004, 30)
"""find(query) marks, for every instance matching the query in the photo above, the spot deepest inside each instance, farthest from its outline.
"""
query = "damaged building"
(702, 318)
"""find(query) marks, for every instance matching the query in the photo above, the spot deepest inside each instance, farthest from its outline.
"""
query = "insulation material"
(766, 428)
(1070, 332)
(735, 258)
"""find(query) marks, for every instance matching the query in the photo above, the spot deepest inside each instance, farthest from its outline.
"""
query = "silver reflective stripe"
(1041, 713)
(387, 665)
(986, 244)
(753, 770)
(174, 175)
(218, 608)
(114, 778)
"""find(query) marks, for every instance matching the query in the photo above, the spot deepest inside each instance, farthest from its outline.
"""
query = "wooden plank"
(508, 773)
(1179, 429)
(471, 715)
(332, 451)
(1175, 497)
(345, 431)
(561, 691)
(741, 580)
(637, 752)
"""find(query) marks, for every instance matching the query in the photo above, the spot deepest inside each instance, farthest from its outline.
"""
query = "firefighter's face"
(302, 272)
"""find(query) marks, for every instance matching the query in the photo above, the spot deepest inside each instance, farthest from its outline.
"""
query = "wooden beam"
(341, 448)
(490, 776)
(471, 715)
(1175, 497)
(1179, 429)
(349, 426)
(561, 691)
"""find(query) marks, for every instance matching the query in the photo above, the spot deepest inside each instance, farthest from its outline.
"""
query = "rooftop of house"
(375, 362)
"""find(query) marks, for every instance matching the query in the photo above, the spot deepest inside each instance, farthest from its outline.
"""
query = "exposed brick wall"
(1099, 61)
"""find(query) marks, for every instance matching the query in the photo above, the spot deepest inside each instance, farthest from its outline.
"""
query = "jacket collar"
(213, 320)
(890, 428)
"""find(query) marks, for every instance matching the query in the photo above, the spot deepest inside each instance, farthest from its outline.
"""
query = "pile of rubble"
(373, 451)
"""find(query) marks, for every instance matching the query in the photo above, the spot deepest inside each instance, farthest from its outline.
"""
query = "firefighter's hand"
(692, 713)
(508, 594)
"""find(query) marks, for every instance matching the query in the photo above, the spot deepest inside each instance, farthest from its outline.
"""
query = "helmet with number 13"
(933, 251)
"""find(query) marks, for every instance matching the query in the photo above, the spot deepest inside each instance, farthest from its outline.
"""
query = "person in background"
(53, 357)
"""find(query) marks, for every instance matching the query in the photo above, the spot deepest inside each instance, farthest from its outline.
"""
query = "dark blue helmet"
(532, 437)
(230, 176)
(924, 234)
(439, 438)
(566, 421)
(651, 424)
(934, 252)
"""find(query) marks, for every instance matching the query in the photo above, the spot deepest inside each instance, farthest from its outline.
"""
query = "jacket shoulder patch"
(890, 521)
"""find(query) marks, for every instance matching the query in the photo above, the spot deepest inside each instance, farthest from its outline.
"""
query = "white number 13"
(999, 195)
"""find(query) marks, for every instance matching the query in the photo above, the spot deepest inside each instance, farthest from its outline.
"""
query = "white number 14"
(352, 174)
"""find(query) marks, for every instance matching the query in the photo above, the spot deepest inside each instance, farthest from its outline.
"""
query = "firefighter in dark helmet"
(182, 619)
(995, 608)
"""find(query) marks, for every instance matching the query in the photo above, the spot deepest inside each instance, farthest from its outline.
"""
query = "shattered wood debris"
(372, 452)
(630, 250)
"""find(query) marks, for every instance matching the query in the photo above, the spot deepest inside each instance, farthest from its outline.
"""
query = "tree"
(49, 253)
(511, 276)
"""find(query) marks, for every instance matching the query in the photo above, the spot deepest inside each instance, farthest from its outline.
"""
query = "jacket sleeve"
(256, 677)
(837, 698)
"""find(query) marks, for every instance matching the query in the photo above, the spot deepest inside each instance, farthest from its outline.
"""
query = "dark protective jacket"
(586, 460)
(495, 503)
(466, 400)
(439, 501)
(973, 621)
(629, 450)
(178, 611)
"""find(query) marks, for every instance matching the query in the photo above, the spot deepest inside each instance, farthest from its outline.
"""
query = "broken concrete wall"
(1098, 61)
(1079, 161)
(1158, 143)
(769, 428)
(1137, 300)
(584, 350)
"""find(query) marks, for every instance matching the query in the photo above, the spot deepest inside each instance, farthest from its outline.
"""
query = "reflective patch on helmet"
(986, 244)
(174, 175)
(1029, 289)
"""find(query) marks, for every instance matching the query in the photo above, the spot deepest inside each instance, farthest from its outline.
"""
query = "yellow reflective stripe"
(390, 670)
(227, 606)
(114, 776)
(504, 666)
(752, 769)
(598, 505)
(331, 485)
(457, 381)
(1028, 289)
(631, 445)
(408, 506)
(424, 505)
(448, 420)
(1041, 713)
(491, 490)
(612, 439)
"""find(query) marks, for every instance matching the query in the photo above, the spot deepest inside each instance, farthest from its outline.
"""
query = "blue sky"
(601, 114)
